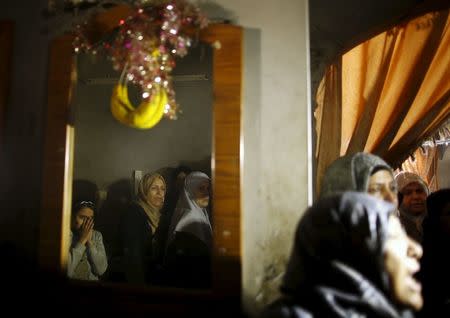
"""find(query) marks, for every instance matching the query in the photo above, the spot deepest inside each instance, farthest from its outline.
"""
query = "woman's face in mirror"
(401, 260)
(201, 194)
(156, 193)
(82, 215)
(383, 186)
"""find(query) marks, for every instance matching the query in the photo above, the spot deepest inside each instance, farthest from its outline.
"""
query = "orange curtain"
(329, 93)
(390, 93)
(425, 159)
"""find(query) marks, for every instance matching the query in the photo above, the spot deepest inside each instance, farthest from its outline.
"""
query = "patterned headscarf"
(153, 212)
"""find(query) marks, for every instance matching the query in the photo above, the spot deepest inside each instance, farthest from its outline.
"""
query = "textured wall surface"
(275, 121)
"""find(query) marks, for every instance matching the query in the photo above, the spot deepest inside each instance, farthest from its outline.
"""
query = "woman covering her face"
(351, 258)
(140, 230)
(361, 172)
(87, 256)
(190, 235)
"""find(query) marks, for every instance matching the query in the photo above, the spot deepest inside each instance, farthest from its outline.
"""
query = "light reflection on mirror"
(134, 211)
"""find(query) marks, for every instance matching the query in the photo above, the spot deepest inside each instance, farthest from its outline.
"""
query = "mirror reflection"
(141, 210)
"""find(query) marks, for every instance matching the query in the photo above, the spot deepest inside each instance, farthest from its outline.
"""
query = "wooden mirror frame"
(225, 168)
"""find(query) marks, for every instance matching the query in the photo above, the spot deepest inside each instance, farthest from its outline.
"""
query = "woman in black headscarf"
(435, 273)
(175, 186)
(351, 258)
(189, 243)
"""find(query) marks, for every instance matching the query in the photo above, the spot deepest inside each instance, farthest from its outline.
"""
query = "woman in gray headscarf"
(188, 253)
(361, 172)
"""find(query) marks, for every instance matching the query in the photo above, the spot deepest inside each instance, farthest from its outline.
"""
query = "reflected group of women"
(164, 235)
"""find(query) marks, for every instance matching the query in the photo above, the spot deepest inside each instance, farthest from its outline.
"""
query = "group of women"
(161, 243)
(351, 255)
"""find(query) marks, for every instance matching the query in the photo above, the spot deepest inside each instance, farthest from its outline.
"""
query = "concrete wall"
(275, 136)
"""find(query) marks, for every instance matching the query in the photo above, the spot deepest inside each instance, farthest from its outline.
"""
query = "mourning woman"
(140, 233)
(87, 256)
(189, 243)
(351, 258)
(360, 172)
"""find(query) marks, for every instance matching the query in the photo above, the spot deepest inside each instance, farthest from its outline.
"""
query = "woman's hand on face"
(86, 230)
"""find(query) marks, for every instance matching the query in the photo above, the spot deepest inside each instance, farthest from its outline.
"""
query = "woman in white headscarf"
(412, 194)
(188, 253)
(140, 230)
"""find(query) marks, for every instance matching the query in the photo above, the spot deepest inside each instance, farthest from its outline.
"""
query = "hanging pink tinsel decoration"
(146, 44)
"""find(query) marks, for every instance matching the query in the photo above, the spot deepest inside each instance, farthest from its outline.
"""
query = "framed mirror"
(60, 166)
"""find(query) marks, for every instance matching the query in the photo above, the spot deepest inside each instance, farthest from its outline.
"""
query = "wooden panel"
(225, 191)
(227, 72)
(229, 141)
(55, 214)
(227, 235)
(6, 42)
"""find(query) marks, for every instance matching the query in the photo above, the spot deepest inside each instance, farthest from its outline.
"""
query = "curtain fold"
(421, 81)
(376, 57)
(424, 162)
(328, 121)
(394, 92)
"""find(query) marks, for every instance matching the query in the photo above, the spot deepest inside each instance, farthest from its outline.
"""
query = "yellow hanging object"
(146, 115)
